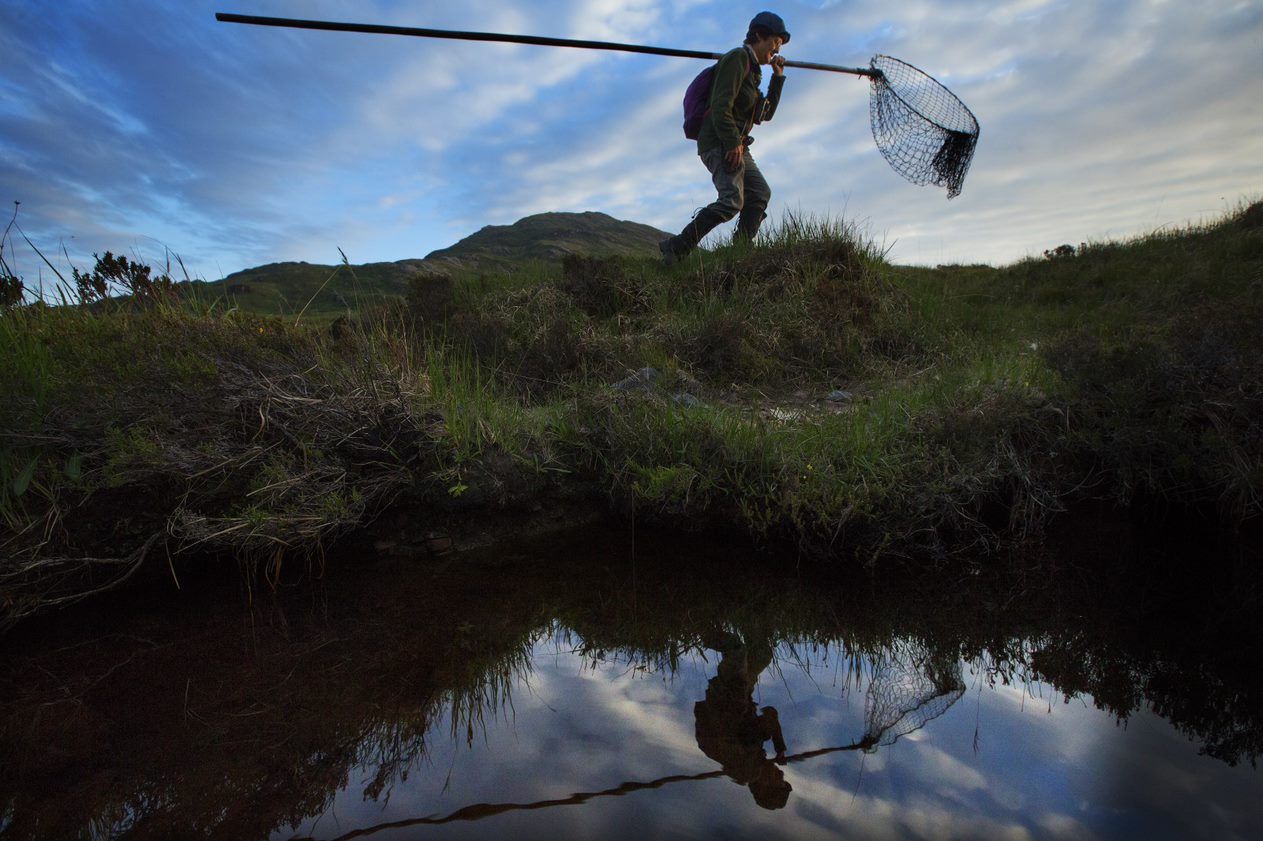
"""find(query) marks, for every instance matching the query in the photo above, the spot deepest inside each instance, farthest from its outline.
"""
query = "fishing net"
(909, 689)
(925, 133)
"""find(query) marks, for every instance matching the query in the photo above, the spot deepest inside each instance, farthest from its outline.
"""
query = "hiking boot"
(669, 257)
(748, 225)
(677, 247)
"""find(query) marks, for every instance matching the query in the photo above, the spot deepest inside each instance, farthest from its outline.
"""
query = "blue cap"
(769, 20)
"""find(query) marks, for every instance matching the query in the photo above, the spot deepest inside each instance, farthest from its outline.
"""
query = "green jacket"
(736, 105)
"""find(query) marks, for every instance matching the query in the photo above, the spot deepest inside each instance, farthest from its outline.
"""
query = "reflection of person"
(731, 729)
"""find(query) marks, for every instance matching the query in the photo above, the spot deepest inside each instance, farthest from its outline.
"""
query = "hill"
(548, 237)
(545, 237)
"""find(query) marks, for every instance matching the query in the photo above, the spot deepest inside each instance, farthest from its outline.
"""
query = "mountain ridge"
(552, 236)
(290, 286)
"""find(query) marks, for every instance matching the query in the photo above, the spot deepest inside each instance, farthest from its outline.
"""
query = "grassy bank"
(805, 391)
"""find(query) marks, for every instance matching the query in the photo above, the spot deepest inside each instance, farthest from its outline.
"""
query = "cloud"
(240, 145)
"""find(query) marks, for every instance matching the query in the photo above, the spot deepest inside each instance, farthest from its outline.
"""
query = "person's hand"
(735, 157)
(778, 65)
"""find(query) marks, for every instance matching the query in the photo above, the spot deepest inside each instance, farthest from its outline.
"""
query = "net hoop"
(922, 129)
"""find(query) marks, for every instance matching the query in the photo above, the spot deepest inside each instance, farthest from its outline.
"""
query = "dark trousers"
(743, 192)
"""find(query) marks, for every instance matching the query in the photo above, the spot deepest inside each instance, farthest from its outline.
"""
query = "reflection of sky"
(1004, 762)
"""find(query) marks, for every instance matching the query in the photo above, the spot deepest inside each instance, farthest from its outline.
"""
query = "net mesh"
(909, 689)
(925, 133)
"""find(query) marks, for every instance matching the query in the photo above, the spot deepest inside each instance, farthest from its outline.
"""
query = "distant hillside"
(287, 287)
(550, 236)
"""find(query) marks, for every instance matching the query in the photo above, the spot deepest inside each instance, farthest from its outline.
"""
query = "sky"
(146, 127)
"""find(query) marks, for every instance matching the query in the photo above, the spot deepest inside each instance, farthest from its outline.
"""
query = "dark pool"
(601, 686)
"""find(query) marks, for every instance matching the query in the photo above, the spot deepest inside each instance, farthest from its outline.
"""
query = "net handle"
(380, 29)
(833, 68)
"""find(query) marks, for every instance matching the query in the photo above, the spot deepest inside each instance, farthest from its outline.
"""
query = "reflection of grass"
(984, 402)
(486, 685)
(242, 730)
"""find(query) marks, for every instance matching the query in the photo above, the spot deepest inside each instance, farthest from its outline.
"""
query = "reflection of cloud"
(949, 769)
(1063, 826)
(1042, 769)
(877, 817)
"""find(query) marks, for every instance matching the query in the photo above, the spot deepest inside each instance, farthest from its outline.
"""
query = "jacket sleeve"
(729, 75)
(767, 104)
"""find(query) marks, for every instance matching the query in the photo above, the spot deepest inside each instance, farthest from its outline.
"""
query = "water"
(579, 688)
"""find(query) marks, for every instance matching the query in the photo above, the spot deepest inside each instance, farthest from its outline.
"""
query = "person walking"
(723, 144)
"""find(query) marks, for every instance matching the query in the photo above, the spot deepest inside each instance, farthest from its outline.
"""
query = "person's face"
(767, 47)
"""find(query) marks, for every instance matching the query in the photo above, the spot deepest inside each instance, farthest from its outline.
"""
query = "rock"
(685, 399)
(686, 382)
(840, 396)
(783, 414)
(438, 543)
(640, 381)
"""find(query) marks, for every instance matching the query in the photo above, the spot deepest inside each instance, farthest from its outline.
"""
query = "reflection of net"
(925, 133)
(908, 690)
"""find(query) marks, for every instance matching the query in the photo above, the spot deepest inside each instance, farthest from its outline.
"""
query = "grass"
(983, 402)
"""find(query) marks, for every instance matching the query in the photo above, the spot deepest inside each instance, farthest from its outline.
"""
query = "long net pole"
(535, 40)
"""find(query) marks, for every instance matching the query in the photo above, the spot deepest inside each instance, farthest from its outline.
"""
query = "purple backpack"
(697, 100)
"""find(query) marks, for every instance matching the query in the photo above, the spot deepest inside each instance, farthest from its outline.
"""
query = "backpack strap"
(758, 101)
